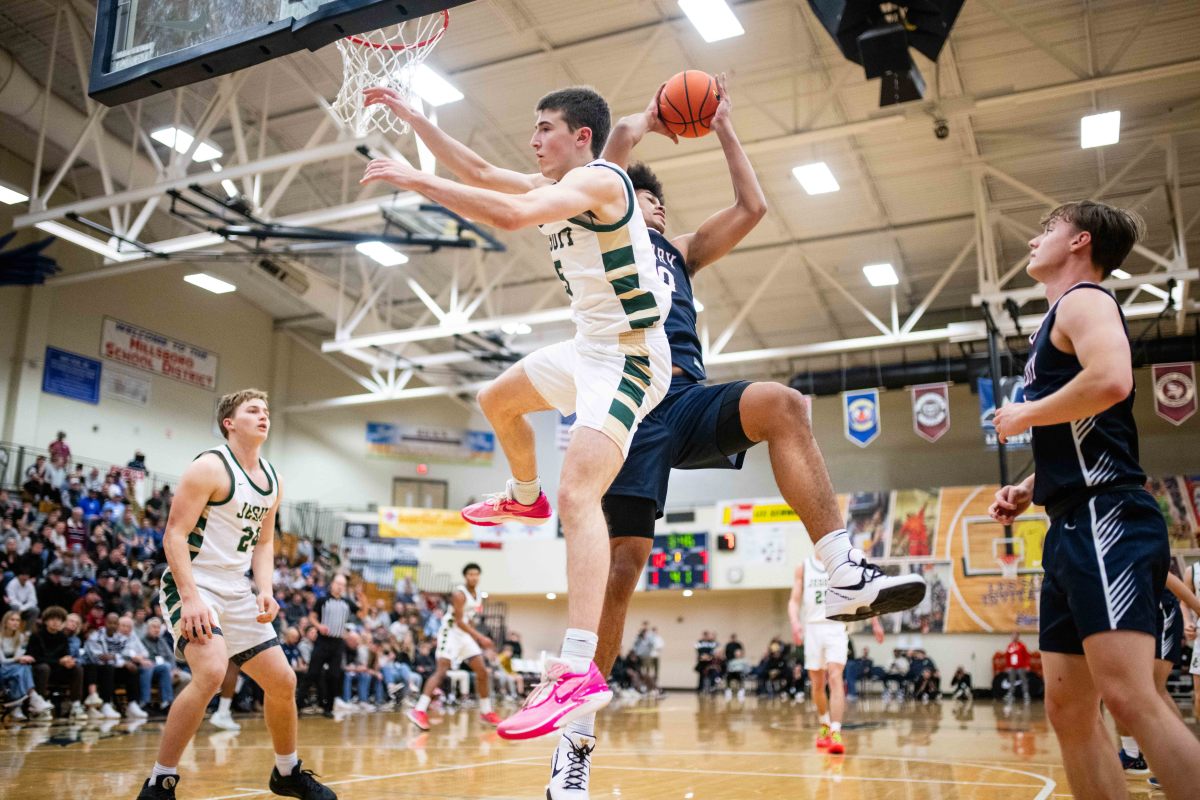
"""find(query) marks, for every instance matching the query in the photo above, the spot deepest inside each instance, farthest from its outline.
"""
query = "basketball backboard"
(143, 47)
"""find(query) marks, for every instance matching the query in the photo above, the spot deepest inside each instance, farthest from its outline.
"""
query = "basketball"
(687, 103)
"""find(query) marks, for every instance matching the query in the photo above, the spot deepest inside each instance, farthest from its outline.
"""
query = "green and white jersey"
(816, 583)
(227, 531)
(609, 271)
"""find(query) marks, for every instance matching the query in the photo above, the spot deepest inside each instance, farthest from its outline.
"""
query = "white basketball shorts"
(825, 643)
(456, 646)
(231, 600)
(610, 385)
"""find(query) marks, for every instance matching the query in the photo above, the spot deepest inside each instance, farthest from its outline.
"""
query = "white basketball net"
(386, 57)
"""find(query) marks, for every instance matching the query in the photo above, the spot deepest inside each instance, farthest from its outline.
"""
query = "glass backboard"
(143, 47)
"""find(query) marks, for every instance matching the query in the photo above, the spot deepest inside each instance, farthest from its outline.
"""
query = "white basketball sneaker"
(859, 590)
(571, 767)
(225, 721)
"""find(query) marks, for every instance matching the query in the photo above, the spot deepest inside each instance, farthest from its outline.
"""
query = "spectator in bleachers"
(357, 674)
(53, 663)
(35, 558)
(513, 640)
(924, 677)
(59, 448)
(505, 660)
(11, 556)
(138, 461)
(145, 671)
(56, 478)
(706, 648)
(858, 670)
(104, 665)
(897, 674)
(21, 594)
(162, 652)
(378, 617)
(53, 591)
(961, 684)
(16, 667)
(736, 670)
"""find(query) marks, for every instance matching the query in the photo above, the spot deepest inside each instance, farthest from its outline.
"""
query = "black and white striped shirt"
(334, 613)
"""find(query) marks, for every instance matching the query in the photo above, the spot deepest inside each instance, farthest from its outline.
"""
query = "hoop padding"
(386, 57)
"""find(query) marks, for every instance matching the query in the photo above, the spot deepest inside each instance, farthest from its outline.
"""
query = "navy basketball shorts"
(694, 427)
(1170, 642)
(1106, 567)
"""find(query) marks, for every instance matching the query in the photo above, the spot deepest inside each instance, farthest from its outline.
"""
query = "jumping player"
(1106, 552)
(702, 427)
(610, 375)
(826, 645)
(457, 643)
(222, 524)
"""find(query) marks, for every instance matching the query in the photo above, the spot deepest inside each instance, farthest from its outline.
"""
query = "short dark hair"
(581, 107)
(54, 612)
(644, 179)
(1114, 230)
(471, 566)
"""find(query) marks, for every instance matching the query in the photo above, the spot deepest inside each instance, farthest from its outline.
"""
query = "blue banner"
(860, 410)
(71, 375)
(1014, 392)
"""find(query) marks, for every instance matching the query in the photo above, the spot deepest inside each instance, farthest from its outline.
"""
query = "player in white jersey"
(616, 369)
(458, 642)
(222, 523)
(826, 644)
(1192, 579)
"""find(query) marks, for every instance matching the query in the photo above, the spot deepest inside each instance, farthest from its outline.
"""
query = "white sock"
(835, 726)
(1130, 746)
(579, 648)
(423, 703)
(159, 770)
(285, 764)
(485, 705)
(585, 725)
(525, 492)
(223, 704)
(833, 549)
(825, 719)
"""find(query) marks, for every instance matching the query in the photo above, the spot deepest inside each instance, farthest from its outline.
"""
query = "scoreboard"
(678, 561)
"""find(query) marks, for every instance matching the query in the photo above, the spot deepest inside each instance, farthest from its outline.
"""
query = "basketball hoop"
(386, 57)
(1009, 566)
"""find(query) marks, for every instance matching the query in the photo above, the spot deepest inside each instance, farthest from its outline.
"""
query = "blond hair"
(230, 403)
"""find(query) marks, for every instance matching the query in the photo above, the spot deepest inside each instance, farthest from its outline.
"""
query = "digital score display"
(678, 561)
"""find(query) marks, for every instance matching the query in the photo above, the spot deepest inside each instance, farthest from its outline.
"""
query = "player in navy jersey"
(1106, 553)
(701, 427)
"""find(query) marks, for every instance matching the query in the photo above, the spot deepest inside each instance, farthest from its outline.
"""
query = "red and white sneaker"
(419, 718)
(501, 507)
(491, 718)
(836, 746)
(561, 697)
(824, 738)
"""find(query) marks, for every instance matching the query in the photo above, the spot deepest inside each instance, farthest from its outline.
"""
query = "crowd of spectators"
(80, 632)
(779, 671)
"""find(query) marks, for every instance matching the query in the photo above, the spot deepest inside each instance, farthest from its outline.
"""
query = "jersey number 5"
(249, 540)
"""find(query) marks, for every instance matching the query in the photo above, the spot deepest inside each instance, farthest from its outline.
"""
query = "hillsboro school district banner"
(158, 354)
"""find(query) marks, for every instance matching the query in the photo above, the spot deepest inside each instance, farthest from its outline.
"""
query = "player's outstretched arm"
(1184, 593)
(204, 479)
(591, 189)
(721, 232)
(630, 130)
(463, 162)
(795, 600)
(1089, 323)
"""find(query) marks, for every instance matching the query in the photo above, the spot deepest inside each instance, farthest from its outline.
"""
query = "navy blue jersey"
(1072, 456)
(681, 321)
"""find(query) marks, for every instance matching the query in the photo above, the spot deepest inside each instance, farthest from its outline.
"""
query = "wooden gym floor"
(682, 747)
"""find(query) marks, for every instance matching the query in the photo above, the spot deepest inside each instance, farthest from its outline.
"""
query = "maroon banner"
(1175, 391)
(931, 410)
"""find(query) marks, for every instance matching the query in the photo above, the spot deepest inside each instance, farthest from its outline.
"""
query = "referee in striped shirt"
(331, 615)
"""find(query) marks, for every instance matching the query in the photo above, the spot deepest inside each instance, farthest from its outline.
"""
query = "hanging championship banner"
(931, 410)
(861, 412)
(1013, 392)
(1175, 391)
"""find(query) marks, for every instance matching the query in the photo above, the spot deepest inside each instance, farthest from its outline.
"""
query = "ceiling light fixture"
(431, 87)
(881, 275)
(384, 254)
(209, 282)
(1097, 130)
(816, 178)
(713, 19)
(181, 140)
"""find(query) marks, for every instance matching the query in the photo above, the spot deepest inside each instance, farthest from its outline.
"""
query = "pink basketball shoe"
(500, 507)
(561, 697)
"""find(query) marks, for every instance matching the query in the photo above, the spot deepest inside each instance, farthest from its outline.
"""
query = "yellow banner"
(758, 514)
(422, 523)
